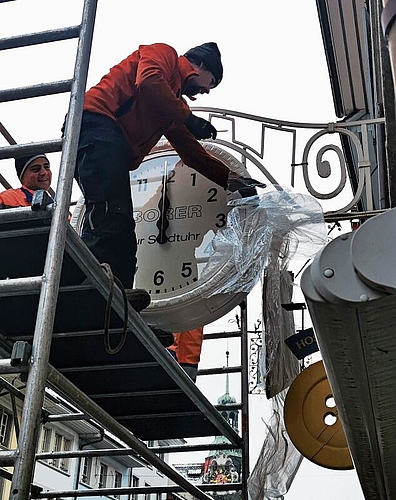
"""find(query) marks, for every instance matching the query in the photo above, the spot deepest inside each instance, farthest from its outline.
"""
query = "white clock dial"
(177, 212)
(176, 203)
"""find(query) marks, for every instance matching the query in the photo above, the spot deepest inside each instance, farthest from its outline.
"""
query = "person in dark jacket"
(125, 114)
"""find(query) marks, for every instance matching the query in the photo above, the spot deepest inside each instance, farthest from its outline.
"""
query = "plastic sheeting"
(278, 462)
(277, 215)
(263, 234)
(277, 364)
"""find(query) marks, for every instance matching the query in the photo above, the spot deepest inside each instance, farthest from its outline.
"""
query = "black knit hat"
(23, 162)
(209, 55)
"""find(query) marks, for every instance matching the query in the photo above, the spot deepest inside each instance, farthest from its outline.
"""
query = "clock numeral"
(213, 193)
(208, 249)
(193, 179)
(170, 176)
(142, 185)
(158, 278)
(221, 220)
(186, 269)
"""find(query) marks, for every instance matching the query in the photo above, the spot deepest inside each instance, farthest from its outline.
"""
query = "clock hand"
(163, 206)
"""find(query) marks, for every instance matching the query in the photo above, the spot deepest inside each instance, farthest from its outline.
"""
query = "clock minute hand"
(163, 206)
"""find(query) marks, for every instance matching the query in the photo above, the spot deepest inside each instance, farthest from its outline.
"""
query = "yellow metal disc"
(312, 421)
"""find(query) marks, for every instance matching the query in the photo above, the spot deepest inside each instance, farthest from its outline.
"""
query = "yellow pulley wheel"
(312, 420)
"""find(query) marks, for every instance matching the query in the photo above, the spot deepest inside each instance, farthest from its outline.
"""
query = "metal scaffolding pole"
(24, 465)
(147, 490)
(245, 399)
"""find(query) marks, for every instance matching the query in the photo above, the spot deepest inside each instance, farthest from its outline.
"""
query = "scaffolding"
(141, 393)
(45, 278)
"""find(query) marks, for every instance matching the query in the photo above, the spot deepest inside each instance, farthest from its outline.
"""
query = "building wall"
(61, 474)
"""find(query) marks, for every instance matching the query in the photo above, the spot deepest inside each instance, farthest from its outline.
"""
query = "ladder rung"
(19, 285)
(30, 148)
(39, 90)
(218, 371)
(22, 214)
(229, 407)
(7, 457)
(39, 37)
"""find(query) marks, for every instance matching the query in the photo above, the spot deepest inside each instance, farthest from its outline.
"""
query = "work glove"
(200, 128)
(244, 185)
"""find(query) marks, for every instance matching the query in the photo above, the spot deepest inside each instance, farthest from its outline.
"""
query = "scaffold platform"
(142, 387)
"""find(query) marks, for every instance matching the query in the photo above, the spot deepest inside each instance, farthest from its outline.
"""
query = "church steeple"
(224, 466)
(227, 374)
(230, 415)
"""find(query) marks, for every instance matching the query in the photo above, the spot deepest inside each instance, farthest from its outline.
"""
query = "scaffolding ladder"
(44, 276)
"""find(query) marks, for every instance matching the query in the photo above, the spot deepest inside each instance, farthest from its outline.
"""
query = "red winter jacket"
(144, 94)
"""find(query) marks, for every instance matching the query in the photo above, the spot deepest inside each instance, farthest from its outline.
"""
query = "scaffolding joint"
(21, 352)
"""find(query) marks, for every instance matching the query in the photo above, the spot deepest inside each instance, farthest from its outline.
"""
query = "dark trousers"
(102, 172)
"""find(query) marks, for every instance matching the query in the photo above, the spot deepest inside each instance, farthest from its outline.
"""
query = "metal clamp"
(21, 352)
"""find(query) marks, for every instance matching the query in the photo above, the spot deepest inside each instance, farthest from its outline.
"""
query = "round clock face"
(177, 212)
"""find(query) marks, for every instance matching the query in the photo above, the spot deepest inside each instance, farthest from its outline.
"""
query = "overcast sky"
(274, 66)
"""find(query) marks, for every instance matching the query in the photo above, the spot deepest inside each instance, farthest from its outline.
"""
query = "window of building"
(135, 483)
(46, 440)
(61, 443)
(5, 427)
(102, 475)
(86, 470)
(57, 446)
(65, 462)
(147, 496)
(52, 440)
(117, 481)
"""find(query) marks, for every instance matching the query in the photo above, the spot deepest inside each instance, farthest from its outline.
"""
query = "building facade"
(93, 471)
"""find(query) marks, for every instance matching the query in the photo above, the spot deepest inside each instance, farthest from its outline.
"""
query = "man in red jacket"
(34, 172)
(125, 114)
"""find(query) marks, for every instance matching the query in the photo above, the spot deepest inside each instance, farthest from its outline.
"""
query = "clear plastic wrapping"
(262, 235)
(276, 217)
(278, 462)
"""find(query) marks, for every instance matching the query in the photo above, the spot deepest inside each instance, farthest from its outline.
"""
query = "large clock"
(177, 213)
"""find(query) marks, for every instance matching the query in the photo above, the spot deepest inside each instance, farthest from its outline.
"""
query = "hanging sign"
(302, 343)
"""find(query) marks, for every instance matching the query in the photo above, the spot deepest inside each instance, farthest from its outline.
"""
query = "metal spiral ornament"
(323, 168)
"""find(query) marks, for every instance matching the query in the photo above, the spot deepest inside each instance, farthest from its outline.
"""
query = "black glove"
(244, 185)
(200, 128)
